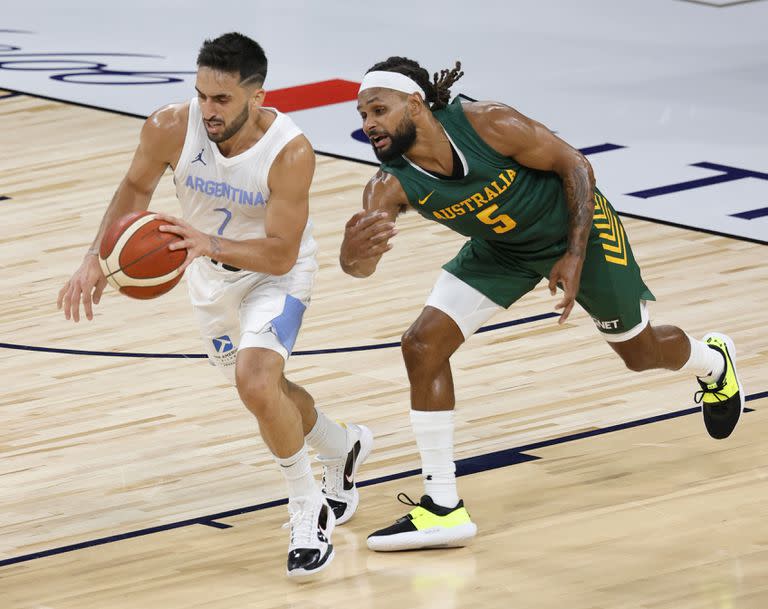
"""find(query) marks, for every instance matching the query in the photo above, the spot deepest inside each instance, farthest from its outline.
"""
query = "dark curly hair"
(438, 90)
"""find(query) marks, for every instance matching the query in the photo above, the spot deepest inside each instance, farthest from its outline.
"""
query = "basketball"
(135, 258)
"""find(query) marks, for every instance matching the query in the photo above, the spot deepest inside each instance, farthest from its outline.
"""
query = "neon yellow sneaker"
(722, 402)
(427, 525)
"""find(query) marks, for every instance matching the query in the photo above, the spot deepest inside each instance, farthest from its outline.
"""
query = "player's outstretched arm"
(367, 233)
(162, 137)
(286, 217)
(531, 144)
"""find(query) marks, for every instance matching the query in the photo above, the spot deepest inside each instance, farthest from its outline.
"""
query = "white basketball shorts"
(243, 309)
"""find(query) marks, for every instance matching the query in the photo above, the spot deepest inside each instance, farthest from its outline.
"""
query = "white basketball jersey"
(227, 196)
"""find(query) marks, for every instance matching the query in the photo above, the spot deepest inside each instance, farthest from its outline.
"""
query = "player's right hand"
(367, 235)
(86, 284)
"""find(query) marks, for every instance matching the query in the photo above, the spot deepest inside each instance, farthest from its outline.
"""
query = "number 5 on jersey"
(501, 223)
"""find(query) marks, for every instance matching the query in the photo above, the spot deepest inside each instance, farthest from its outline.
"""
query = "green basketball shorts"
(612, 290)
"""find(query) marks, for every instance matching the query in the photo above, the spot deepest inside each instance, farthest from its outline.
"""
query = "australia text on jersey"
(489, 192)
(223, 190)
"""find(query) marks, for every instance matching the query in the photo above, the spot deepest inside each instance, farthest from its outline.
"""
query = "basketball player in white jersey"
(242, 174)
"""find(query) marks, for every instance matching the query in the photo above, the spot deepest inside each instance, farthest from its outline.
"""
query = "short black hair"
(235, 53)
(438, 91)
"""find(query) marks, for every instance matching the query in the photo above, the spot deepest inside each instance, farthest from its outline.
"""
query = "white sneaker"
(339, 485)
(311, 524)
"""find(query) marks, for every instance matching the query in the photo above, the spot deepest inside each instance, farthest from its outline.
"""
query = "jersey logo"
(424, 200)
(199, 157)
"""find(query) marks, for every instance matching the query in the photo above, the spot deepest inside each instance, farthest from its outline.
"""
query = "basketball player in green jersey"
(528, 204)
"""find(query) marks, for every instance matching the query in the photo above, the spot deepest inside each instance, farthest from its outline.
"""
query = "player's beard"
(233, 127)
(399, 141)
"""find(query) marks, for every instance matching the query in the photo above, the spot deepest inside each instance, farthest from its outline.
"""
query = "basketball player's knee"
(418, 349)
(259, 392)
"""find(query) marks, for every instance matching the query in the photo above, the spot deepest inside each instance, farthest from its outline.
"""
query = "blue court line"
(216, 525)
(504, 324)
(752, 214)
(598, 149)
(728, 174)
(464, 467)
(11, 94)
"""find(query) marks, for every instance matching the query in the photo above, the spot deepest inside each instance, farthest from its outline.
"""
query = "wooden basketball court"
(133, 480)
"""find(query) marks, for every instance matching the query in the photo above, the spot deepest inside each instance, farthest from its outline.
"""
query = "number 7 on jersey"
(227, 218)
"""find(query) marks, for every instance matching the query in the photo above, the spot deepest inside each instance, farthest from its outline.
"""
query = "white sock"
(705, 363)
(434, 437)
(328, 438)
(298, 475)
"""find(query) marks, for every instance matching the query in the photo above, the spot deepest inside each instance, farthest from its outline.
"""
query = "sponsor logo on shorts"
(223, 344)
(608, 324)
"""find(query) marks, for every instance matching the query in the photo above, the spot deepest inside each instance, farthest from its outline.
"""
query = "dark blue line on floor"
(104, 353)
(681, 186)
(601, 148)
(752, 214)
(728, 174)
(4, 198)
(11, 94)
(504, 324)
(464, 467)
(215, 525)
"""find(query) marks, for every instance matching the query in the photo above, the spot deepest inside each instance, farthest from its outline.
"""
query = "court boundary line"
(488, 328)
(374, 164)
(464, 467)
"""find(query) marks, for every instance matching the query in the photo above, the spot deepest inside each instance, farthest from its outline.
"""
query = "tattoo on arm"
(579, 188)
(215, 246)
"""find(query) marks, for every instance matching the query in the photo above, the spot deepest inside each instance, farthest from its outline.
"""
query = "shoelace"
(302, 527)
(699, 395)
(406, 500)
(333, 476)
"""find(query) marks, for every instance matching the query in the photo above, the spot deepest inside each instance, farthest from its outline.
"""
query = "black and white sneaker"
(311, 524)
(339, 485)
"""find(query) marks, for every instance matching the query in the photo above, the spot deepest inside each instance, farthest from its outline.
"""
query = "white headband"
(391, 80)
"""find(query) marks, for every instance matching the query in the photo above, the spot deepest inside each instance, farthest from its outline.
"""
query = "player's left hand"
(566, 273)
(196, 242)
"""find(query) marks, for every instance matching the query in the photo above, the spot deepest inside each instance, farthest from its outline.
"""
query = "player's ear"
(416, 104)
(256, 100)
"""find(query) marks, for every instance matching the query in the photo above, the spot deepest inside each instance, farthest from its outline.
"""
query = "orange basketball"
(135, 258)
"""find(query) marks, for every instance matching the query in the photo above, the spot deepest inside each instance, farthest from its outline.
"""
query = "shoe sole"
(365, 450)
(732, 353)
(455, 537)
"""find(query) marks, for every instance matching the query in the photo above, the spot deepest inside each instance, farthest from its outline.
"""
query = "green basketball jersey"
(498, 200)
